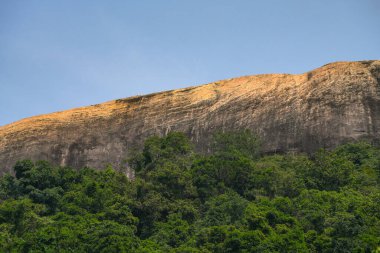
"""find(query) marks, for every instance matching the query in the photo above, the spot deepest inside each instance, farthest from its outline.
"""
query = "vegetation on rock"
(231, 200)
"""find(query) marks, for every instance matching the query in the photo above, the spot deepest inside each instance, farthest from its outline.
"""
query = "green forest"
(232, 199)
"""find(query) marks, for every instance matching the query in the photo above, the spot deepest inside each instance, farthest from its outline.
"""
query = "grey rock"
(334, 104)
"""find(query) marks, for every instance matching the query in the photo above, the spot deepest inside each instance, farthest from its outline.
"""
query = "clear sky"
(56, 55)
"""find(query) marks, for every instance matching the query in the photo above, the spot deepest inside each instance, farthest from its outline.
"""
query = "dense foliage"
(231, 200)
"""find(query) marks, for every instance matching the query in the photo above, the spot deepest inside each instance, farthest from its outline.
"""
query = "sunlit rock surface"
(334, 104)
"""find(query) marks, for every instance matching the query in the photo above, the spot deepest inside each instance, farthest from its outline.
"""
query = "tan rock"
(336, 103)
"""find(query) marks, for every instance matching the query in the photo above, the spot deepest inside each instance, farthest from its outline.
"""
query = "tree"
(331, 171)
(243, 142)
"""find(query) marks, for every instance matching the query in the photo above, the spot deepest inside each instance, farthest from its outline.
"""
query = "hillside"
(334, 104)
(231, 200)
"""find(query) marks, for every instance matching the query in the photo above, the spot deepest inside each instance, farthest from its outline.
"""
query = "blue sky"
(56, 55)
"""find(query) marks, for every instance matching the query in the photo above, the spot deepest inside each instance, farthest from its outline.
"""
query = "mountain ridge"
(327, 106)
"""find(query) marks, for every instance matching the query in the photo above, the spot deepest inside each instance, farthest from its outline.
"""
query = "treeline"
(231, 200)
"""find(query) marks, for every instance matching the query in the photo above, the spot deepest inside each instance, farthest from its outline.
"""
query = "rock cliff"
(336, 103)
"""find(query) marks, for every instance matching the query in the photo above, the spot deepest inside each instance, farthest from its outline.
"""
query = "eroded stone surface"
(336, 103)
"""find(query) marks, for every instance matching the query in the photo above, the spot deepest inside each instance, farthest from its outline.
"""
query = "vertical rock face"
(336, 103)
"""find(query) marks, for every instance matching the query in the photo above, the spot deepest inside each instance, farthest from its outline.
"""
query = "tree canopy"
(231, 200)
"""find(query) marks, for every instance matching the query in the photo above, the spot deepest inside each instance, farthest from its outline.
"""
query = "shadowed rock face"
(336, 103)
